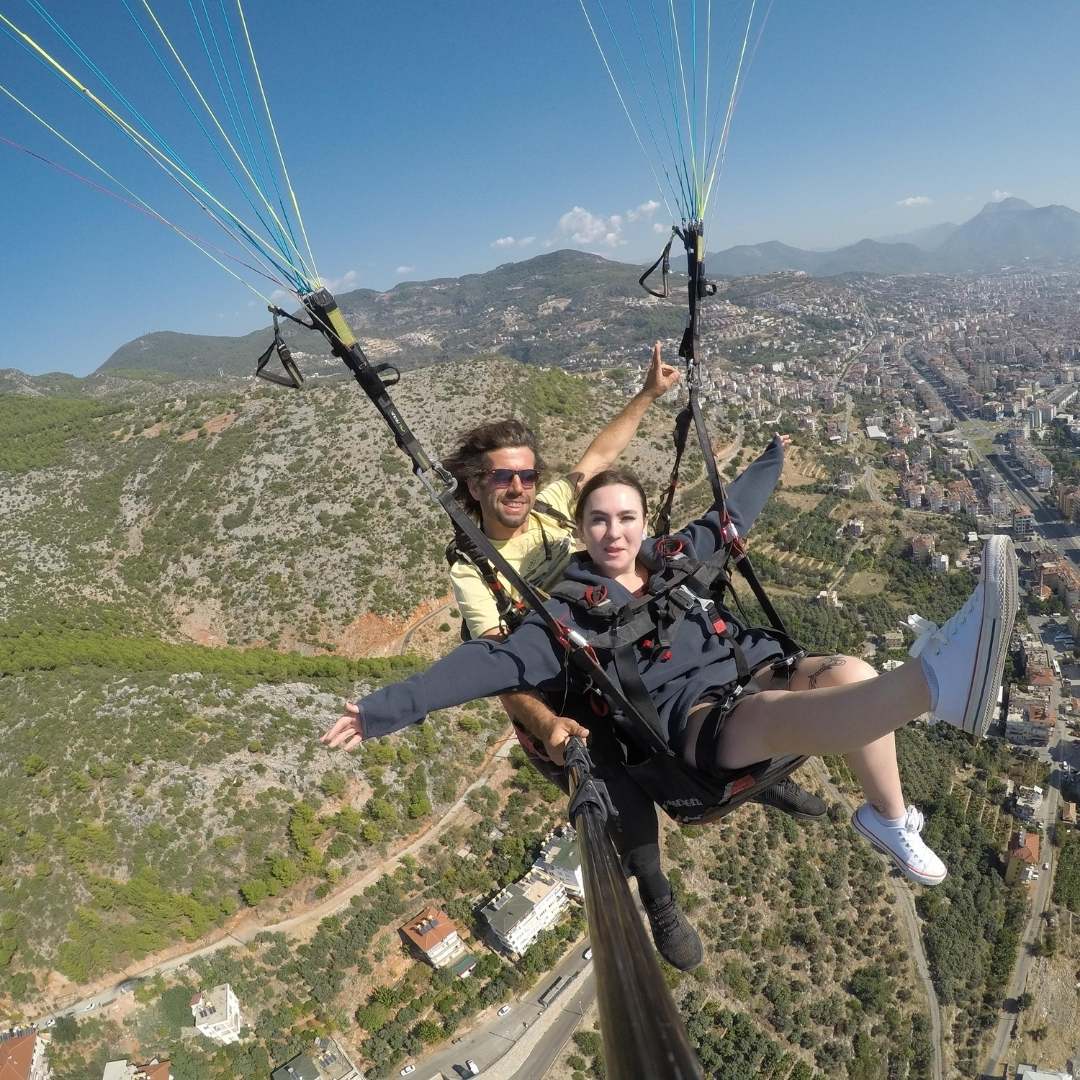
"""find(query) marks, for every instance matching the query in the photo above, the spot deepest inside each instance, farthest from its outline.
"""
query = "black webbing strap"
(664, 264)
(691, 413)
(511, 613)
(591, 791)
(637, 726)
(292, 377)
(662, 523)
(327, 318)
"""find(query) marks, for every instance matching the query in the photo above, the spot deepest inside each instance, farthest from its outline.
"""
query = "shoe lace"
(663, 914)
(914, 820)
(930, 636)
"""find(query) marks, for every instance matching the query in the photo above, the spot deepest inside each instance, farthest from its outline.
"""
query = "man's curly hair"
(466, 462)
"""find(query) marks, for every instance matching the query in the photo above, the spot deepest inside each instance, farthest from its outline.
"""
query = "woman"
(819, 705)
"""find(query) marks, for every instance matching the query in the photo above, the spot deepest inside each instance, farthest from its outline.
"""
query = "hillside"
(549, 309)
(164, 781)
(257, 516)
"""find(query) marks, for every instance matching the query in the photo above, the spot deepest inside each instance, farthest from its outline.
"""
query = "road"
(905, 903)
(408, 635)
(524, 1043)
(1058, 534)
(250, 929)
(870, 482)
(1040, 897)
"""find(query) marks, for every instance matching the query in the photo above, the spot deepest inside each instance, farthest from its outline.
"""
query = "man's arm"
(604, 450)
(528, 710)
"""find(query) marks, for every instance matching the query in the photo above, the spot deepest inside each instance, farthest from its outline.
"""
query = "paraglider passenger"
(834, 705)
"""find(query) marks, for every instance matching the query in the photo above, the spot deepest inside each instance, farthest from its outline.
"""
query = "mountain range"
(1007, 233)
(577, 309)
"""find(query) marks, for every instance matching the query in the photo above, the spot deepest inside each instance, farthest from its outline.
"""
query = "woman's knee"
(815, 672)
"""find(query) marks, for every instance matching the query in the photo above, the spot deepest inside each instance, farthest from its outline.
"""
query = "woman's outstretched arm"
(746, 495)
(525, 660)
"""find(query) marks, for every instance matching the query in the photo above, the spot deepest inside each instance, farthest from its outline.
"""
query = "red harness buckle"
(719, 626)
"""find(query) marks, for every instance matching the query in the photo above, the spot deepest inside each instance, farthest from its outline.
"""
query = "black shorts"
(705, 726)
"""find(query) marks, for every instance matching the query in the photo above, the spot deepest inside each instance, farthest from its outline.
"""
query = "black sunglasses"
(503, 478)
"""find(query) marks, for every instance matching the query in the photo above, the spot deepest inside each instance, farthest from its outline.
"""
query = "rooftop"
(16, 1056)
(323, 1061)
(1024, 845)
(561, 851)
(428, 928)
(211, 1006)
(505, 910)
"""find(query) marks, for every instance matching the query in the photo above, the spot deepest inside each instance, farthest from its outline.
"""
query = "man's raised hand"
(347, 732)
(661, 377)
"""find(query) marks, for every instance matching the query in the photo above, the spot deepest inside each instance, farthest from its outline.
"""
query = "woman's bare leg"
(836, 719)
(874, 765)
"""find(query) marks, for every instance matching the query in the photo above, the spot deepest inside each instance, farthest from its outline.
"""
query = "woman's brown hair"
(608, 478)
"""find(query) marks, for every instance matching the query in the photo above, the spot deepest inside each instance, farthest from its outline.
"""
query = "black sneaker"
(676, 940)
(793, 800)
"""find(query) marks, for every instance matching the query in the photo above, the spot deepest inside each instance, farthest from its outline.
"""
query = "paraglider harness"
(510, 612)
(646, 626)
(685, 793)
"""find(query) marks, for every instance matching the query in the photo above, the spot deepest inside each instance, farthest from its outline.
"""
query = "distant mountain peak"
(1006, 205)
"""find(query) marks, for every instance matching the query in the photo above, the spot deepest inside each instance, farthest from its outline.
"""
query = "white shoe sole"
(1000, 602)
(905, 868)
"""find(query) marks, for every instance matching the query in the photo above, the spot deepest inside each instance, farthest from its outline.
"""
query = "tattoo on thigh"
(827, 664)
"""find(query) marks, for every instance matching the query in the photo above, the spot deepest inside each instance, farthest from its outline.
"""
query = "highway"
(526, 1041)
(1058, 752)
(1058, 534)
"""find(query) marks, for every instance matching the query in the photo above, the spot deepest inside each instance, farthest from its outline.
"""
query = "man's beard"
(511, 519)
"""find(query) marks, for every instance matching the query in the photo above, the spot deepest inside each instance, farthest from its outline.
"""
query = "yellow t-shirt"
(539, 563)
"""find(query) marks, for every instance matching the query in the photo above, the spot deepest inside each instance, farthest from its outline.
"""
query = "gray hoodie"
(528, 659)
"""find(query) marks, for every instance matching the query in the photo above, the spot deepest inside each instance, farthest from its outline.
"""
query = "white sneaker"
(964, 659)
(902, 843)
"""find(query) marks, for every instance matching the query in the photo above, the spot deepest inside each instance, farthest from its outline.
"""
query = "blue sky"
(433, 139)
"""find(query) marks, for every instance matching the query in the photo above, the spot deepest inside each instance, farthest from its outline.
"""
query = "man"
(499, 470)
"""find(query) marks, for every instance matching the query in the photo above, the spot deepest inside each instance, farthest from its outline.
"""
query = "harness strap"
(511, 614)
(626, 668)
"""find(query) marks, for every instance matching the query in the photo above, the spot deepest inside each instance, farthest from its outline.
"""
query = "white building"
(217, 1014)
(433, 933)
(326, 1060)
(1033, 1072)
(939, 563)
(1030, 722)
(1028, 801)
(523, 910)
(559, 857)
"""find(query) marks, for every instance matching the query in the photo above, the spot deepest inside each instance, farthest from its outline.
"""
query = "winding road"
(249, 929)
(905, 903)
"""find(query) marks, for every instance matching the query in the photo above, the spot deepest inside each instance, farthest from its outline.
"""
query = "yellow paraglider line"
(308, 271)
(277, 145)
(139, 202)
(163, 160)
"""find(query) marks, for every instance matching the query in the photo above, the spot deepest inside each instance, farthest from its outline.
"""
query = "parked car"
(1046, 866)
(408, 1069)
(504, 1010)
(587, 954)
(474, 1069)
